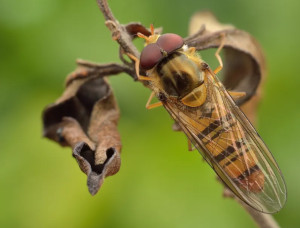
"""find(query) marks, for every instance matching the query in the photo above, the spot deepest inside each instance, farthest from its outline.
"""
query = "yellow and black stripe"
(234, 155)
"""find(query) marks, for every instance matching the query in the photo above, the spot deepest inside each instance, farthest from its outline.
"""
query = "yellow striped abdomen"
(231, 150)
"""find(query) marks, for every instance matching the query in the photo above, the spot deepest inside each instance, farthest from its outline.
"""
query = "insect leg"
(192, 50)
(236, 95)
(152, 29)
(217, 54)
(144, 36)
(137, 68)
(190, 145)
(155, 105)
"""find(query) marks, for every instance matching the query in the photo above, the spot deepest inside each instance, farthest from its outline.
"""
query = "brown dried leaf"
(85, 118)
(244, 63)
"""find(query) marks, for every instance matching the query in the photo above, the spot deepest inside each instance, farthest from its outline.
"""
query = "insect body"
(208, 115)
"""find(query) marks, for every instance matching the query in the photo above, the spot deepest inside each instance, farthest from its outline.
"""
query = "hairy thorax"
(178, 75)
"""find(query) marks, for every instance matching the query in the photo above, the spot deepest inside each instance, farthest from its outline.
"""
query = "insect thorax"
(178, 75)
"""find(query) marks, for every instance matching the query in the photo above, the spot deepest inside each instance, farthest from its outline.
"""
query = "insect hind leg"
(217, 54)
(154, 105)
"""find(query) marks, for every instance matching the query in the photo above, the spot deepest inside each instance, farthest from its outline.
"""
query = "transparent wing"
(232, 147)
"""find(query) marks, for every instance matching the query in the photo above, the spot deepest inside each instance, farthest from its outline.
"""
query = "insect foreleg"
(137, 68)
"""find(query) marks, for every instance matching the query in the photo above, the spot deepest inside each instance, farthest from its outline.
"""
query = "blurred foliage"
(160, 184)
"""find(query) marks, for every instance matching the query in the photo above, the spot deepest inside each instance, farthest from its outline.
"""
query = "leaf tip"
(94, 182)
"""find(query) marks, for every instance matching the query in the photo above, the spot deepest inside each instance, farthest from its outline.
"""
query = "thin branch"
(261, 219)
(107, 69)
(118, 31)
(100, 70)
(108, 15)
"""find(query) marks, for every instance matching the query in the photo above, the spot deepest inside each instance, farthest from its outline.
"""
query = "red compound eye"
(150, 56)
(170, 42)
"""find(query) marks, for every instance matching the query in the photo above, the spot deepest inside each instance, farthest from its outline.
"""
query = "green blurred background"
(160, 183)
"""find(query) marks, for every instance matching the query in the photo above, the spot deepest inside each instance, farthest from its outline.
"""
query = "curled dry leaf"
(244, 63)
(85, 118)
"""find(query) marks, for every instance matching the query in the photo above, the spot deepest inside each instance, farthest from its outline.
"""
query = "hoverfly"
(206, 112)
